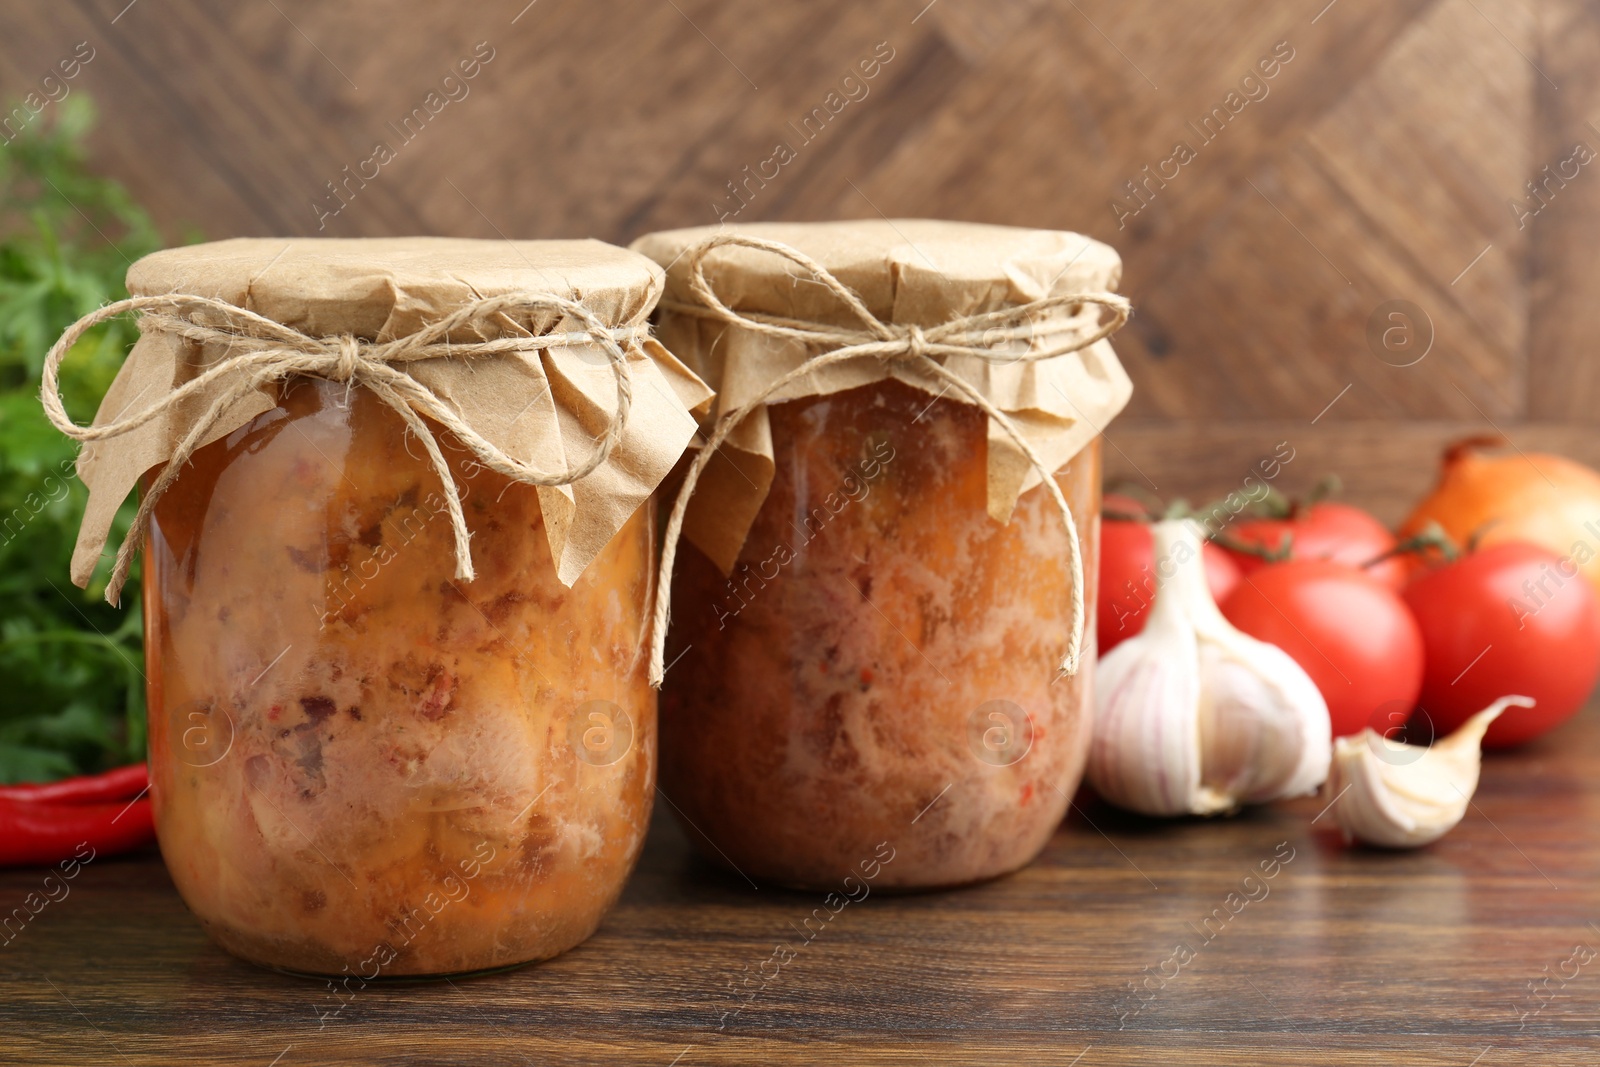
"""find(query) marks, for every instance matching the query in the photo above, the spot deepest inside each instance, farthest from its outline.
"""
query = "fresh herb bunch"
(71, 666)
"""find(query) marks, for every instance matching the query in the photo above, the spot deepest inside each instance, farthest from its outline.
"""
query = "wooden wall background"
(1382, 165)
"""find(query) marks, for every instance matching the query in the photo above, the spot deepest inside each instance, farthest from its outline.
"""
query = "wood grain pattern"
(1351, 957)
(1383, 163)
(1564, 379)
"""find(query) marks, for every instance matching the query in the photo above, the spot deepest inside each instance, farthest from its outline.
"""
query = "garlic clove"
(1410, 795)
(1194, 717)
(1263, 725)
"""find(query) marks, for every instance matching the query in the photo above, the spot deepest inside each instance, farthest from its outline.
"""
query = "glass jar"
(879, 675)
(360, 764)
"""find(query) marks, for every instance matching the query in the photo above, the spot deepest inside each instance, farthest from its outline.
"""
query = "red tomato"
(1510, 618)
(1128, 582)
(1350, 632)
(1327, 530)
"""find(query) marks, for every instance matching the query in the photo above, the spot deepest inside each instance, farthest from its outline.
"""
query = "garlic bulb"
(1194, 717)
(1403, 796)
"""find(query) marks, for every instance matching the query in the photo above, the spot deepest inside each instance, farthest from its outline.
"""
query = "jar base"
(402, 979)
(886, 887)
(302, 960)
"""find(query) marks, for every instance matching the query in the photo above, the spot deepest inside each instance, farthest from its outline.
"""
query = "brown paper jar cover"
(542, 407)
(363, 765)
(865, 649)
(921, 272)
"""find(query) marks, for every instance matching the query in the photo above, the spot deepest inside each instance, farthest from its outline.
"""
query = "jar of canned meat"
(869, 617)
(365, 762)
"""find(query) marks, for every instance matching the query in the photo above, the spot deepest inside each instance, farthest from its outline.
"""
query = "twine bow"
(261, 352)
(973, 336)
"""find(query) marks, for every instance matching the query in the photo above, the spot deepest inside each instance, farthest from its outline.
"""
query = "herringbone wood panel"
(1382, 162)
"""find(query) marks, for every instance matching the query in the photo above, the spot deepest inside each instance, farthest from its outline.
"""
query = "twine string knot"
(349, 354)
(916, 343)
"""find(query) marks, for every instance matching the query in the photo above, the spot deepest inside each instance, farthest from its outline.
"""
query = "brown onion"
(1491, 497)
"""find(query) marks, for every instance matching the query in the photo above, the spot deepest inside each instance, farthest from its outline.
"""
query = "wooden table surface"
(1479, 950)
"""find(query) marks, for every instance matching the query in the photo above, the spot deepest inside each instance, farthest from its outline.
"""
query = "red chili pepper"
(124, 783)
(34, 833)
(45, 823)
